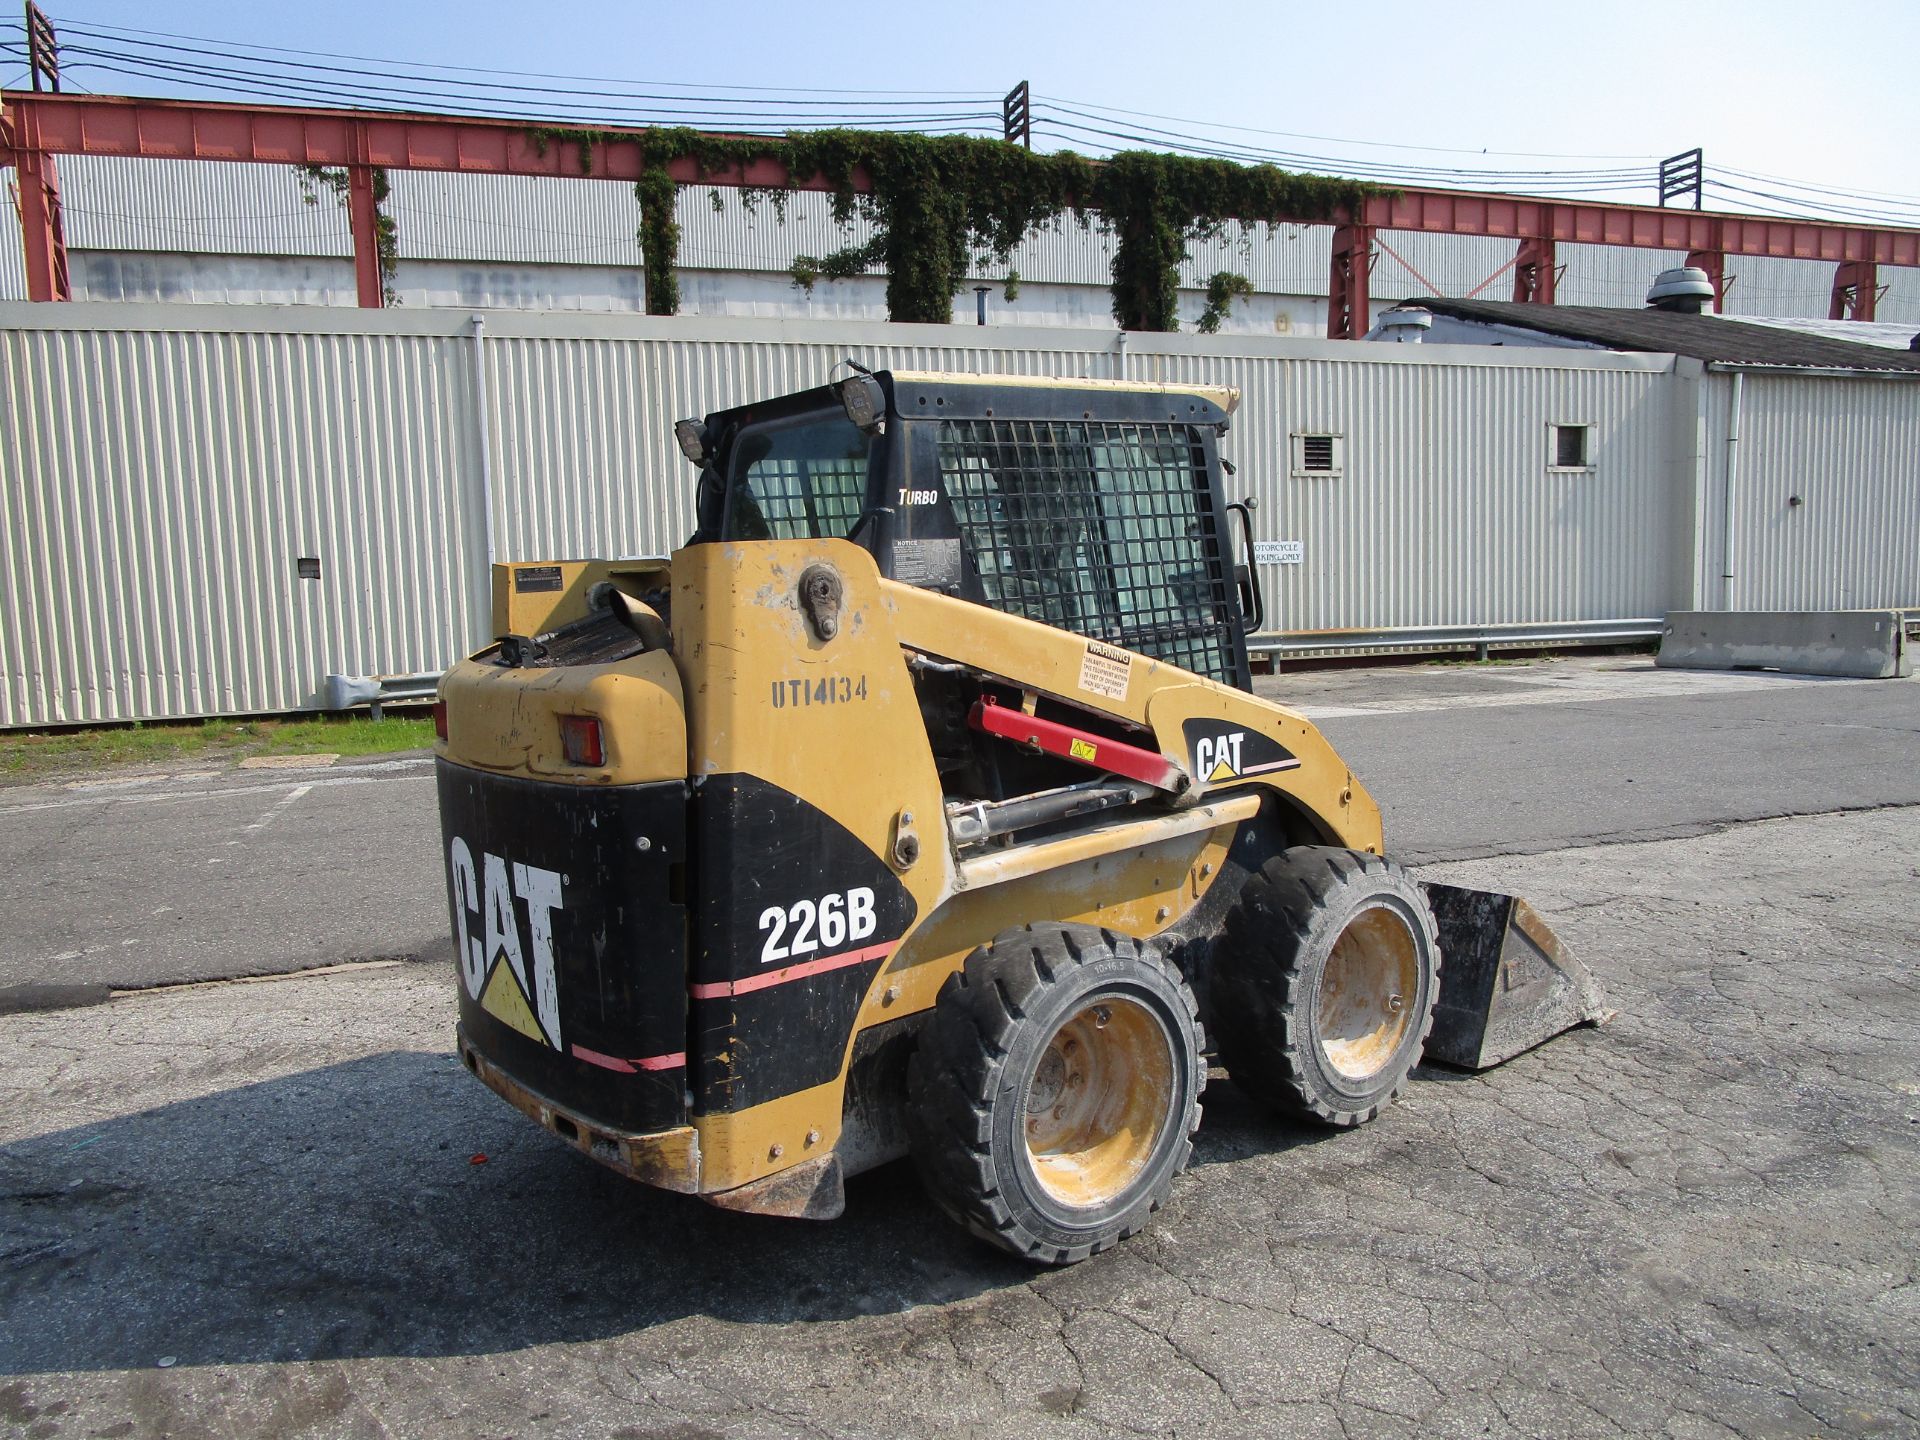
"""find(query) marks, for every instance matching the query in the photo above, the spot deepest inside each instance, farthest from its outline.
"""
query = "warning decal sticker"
(1106, 671)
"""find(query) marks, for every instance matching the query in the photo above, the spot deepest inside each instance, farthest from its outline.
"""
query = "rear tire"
(1056, 1089)
(1324, 984)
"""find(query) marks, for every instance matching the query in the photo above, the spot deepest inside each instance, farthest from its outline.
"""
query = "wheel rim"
(1098, 1101)
(1365, 1003)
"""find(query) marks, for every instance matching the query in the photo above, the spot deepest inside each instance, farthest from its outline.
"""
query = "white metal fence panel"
(167, 467)
(1445, 510)
(1844, 449)
(162, 486)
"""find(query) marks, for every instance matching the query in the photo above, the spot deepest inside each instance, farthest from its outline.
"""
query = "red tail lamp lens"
(440, 719)
(580, 737)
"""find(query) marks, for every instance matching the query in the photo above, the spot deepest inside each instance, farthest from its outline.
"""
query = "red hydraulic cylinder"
(1096, 752)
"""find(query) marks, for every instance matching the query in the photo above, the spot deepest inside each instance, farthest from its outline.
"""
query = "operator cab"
(1091, 506)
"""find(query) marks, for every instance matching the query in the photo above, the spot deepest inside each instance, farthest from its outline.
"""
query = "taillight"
(580, 738)
(440, 720)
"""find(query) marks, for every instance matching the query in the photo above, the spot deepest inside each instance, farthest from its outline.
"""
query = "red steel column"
(364, 216)
(43, 235)
(1856, 285)
(1347, 289)
(1534, 271)
(1714, 262)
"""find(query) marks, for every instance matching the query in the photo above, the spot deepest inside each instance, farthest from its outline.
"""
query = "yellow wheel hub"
(1099, 1100)
(1366, 995)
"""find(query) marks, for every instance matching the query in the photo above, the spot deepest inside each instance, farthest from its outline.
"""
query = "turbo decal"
(494, 968)
(1223, 752)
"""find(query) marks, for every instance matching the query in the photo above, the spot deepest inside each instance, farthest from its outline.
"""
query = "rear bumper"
(666, 1159)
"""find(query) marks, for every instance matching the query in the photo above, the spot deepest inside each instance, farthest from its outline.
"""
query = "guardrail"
(350, 692)
(1481, 639)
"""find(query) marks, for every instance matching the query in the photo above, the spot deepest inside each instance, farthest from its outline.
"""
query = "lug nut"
(776, 1152)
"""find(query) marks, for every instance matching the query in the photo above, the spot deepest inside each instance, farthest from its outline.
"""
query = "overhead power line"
(248, 70)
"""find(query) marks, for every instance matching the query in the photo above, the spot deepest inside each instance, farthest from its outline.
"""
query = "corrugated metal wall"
(1446, 512)
(13, 265)
(125, 206)
(1846, 448)
(166, 467)
(162, 484)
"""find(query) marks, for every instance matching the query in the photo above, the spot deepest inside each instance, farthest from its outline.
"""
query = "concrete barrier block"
(1864, 644)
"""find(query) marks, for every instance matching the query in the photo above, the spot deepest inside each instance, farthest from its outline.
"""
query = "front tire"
(1056, 1089)
(1324, 984)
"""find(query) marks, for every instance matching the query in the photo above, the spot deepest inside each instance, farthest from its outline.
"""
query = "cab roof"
(916, 394)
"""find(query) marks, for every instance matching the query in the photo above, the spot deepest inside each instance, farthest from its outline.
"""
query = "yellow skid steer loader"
(919, 806)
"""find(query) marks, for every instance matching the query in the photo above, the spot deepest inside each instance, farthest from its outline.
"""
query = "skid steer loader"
(919, 806)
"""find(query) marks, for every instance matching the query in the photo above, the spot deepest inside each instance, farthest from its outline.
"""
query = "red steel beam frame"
(34, 127)
(1348, 291)
(1856, 286)
(1534, 271)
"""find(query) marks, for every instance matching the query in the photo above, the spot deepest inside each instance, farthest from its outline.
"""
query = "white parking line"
(274, 810)
(387, 771)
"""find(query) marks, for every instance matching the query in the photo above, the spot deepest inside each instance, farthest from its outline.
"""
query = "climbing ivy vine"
(1222, 290)
(942, 207)
(386, 235)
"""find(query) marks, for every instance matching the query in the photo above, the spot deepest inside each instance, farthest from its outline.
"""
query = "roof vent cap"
(1407, 325)
(1687, 290)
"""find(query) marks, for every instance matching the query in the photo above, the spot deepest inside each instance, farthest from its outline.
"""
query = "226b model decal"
(823, 924)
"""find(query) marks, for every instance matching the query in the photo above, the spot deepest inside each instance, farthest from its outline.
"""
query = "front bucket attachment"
(1506, 982)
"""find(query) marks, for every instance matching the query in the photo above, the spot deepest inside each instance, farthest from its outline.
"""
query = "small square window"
(1319, 454)
(307, 567)
(1569, 447)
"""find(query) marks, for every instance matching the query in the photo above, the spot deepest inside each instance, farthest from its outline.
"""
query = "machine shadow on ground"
(339, 1213)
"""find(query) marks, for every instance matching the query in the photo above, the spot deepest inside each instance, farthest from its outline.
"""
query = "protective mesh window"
(800, 480)
(1104, 529)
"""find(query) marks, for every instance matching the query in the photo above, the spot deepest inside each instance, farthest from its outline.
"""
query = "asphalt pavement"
(260, 1209)
(281, 1207)
(130, 880)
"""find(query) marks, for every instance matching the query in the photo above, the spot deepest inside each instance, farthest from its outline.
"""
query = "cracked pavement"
(252, 1209)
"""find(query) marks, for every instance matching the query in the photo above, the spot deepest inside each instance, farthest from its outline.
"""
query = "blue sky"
(1823, 94)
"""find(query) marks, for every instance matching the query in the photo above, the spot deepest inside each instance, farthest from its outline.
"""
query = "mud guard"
(1507, 984)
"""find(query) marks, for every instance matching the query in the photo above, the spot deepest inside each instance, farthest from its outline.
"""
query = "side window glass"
(796, 480)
